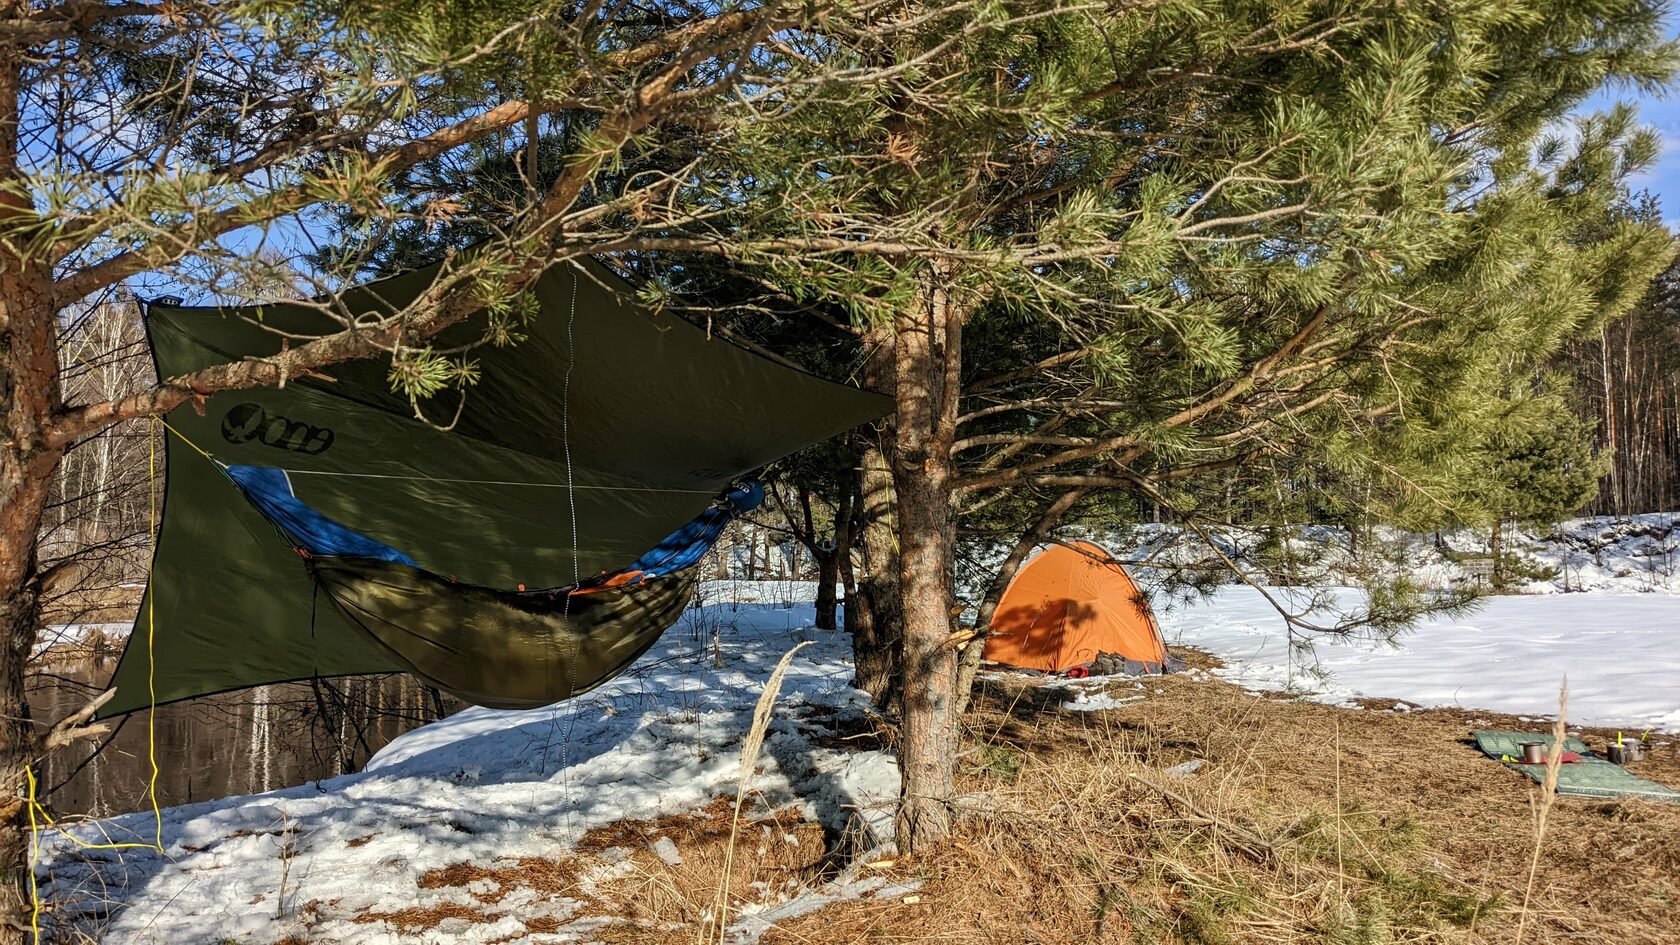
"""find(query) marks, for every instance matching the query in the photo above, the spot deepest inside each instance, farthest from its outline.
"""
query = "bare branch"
(75, 726)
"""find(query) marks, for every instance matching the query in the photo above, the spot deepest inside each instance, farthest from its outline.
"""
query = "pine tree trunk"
(829, 561)
(29, 388)
(845, 540)
(927, 357)
(872, 619)
(828, 601)
(18, 618)
(720, 561)
(874, 622)
(1493, 543)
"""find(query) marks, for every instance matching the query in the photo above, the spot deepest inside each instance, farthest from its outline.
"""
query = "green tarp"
(647, 417)
(1589, 777)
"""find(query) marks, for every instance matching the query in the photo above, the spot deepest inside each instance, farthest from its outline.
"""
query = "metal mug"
(1533, 753)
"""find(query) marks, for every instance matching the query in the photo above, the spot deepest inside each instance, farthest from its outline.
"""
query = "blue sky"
(1662, 113)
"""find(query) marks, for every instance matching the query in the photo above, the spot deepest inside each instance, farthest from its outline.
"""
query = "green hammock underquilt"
(1589, 777)
(502, 649)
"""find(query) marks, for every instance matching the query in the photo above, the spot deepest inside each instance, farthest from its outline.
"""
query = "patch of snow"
(1620, 651)
(490, 787)
(1186, 769)
(666, 850)
(64, 634)
(1084, 701)
(755, 920)
(1639, 553)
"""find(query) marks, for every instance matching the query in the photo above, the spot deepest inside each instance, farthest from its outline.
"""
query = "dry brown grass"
(614, 874)
(1089, 839)
(423, 918)
(666, 902)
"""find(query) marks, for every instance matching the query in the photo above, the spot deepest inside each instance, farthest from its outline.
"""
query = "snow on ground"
(70, 634)
(486, 786)
(1620, 651)
(1086, 700)
(1634, 554)
(1640, 553)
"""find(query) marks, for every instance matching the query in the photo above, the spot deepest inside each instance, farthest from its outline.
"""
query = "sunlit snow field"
(489, 787)
(1621, 653)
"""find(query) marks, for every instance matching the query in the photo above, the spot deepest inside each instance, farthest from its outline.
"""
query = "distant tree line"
(1627, 385)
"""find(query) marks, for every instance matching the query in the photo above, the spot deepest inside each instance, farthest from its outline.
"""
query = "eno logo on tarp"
(248, 422)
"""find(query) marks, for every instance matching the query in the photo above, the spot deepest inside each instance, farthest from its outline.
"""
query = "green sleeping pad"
(1589, 777)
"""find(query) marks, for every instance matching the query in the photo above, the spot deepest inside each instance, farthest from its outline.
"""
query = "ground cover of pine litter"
(1193, 811)
(1174, 809)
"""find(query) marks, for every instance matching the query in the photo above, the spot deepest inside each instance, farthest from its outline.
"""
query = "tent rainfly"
(1075, 606)
(529, 551)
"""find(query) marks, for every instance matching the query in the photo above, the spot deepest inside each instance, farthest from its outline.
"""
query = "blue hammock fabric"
(685, 547)
(270, 490)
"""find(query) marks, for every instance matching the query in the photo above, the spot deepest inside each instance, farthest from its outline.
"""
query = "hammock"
(505, 649)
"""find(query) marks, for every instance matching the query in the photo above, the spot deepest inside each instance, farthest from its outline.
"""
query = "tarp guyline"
(607, 422)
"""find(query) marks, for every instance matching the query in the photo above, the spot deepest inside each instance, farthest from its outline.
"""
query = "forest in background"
(1627, 385)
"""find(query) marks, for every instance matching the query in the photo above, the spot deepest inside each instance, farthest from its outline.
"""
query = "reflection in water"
(238, 743)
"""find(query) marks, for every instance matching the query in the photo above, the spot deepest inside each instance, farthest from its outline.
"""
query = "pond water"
(237, 743)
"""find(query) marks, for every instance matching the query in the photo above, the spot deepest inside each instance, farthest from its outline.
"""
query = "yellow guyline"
(37, 813)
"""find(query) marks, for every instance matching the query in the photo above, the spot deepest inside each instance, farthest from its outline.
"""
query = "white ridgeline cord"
(568, 486)
(571, 500)
(566, 423)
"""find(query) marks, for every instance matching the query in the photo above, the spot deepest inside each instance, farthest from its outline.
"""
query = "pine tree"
(1537, 467)
(195, 148)
(1547, 469)
(1174, 244)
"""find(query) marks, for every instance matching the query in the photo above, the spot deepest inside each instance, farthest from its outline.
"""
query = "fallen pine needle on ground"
(1096, 831)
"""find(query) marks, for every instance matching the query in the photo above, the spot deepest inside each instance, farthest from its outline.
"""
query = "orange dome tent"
(1071, 606)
